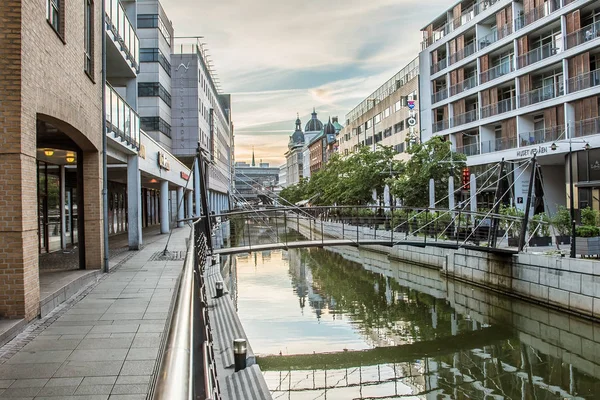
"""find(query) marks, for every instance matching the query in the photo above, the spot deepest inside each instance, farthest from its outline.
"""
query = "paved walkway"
(103, 344)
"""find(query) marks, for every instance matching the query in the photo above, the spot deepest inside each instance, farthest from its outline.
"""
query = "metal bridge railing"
(187, 369)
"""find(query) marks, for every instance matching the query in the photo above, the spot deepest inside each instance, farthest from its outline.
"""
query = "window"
(153, 89)
(399, 127)
(54, 15)
(378, 118)
(89, 38)
(155, 124)
(155, 55)
(399, 148)
(147, 21)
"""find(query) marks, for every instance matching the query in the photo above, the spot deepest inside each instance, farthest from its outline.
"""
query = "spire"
(253, 163)
(298, 122)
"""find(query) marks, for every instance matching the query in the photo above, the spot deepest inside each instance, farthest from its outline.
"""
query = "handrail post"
(322, 232)
(249, 240)
(458, 230)
(285, 226)
(277, 228)
(426, 227)
(310, 227)
(393, 228)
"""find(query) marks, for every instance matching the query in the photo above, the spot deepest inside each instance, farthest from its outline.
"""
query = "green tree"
(428, 160)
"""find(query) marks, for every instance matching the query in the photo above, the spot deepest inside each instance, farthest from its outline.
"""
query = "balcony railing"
(584, 81)
(465, 118)
(539, 95)
(440, 95)
(583, 35)
(469, 149)
(500, 107)
(496, 35)
(467, 84)
(496, 72)
(537, 55)
(465, 52)
(586, 127)
(498, 145)
(441, 125)
(537, 13)
(440, 65)
(545, 135)
(123, 32)
(122, 119)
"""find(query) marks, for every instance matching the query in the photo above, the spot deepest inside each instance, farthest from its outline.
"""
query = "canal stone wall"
(571, 285)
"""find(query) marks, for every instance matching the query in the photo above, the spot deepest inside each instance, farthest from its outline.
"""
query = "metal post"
(249, 244)
(458, 229)
(310, 227)
(322, 232)
(239, 354)
(425, 227)
(277, 228)
(393, 227)
(528, 205)
(285, 226)
(493, 234)
(572, 203)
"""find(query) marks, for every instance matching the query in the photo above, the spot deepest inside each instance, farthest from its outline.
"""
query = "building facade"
(507, 79)
(384, 118)
(255, 183)
(322, 146)
(294, 158)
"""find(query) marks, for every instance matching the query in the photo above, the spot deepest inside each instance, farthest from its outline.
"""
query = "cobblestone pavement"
(103, 343)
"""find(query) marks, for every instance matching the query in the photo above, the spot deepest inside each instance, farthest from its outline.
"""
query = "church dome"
(314, 125)
(329, 128)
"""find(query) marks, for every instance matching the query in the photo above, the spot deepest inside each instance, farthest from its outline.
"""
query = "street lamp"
(553, 147)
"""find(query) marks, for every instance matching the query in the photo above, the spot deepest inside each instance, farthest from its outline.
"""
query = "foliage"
(295, 193)
(428, 160)
(513, 227)
(542, 220)
(589, 217)
(562, 221)
(587, 231)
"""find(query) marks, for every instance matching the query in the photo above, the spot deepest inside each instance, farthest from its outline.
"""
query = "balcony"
(583, 35)
(440, 65)
(439, 95)
(467, 84)
(584, 81)
(500, 107)
(587, 127)
(469, 149)
(465, 118)
(537, 13)
(496, 72)
(121, 119)
(539, 95)
(537, 55)
(463, 53)
(540, 136)
(499, 144)
(122, 32)
(441, 125)
(496, 35)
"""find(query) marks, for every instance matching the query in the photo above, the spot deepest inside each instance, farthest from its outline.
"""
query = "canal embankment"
(571, 285)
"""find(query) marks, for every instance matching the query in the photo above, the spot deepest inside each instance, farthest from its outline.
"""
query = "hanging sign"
(163, 162)
(411, 104)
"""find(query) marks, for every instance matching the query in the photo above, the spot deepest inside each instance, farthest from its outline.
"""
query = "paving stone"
(24, 371)
(99, 380)
(133, 379)
(137, 368)
(144, 353)
(11, 393)
(84, 397)
(98, 355)
(45, 345)
(36, 357)
(57, 382)
(115, 328)
(112, 343)
(127, 397)
(130, 389)
(55, 391)
(29, 383)
(146, 341)
(151, 328)
(89, 368)
(93, 389)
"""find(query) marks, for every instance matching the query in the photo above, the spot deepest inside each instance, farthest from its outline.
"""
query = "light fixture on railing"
(49, 152)
(70, 158)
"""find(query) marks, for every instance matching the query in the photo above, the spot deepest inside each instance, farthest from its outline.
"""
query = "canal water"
(326, 327)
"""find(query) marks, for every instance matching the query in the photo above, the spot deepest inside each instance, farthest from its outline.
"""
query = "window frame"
(88, 50)
(55, 16)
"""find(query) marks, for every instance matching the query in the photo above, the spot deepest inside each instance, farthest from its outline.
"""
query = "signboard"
(142, 152)
(411, 104)
(412, 121)
(163, 162)
(530, 152)
(184, 175)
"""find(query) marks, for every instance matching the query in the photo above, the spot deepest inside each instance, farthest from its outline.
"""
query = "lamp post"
(571, 190)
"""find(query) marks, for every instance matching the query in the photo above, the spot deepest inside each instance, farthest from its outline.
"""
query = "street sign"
(412, 121)
(411, 104)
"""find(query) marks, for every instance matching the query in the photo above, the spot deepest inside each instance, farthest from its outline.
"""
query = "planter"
(587, 246)
(513, 241)
(540, 241)
(563, 239)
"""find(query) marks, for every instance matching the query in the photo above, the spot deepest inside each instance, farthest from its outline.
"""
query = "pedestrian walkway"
(104, 343)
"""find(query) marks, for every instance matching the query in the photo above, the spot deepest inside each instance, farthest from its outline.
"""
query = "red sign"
(184, 175)
(466, 179)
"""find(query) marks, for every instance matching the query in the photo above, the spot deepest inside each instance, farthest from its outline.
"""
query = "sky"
(281, 57)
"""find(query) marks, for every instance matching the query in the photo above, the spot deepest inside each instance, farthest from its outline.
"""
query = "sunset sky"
(279, 58)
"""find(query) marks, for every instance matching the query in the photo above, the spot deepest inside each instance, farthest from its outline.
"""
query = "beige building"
(384, 117)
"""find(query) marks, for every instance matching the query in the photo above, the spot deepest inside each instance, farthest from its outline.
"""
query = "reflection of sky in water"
(272, 316)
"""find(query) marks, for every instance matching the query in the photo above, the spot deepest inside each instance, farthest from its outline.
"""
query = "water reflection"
(420, 336)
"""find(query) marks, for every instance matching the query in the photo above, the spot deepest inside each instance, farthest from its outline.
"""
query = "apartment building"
(385, 118)
(508, 79)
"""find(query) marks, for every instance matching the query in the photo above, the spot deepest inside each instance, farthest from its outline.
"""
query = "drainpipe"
(105, 266)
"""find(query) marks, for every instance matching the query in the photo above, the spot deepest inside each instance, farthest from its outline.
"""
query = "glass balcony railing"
(537, 55)
(500, 107)
(441, 125)
(465, 118)
(584, 81)
(440, 95)
(498, 145)
(440, 65)
(541, 94)
(583, 35)
(497, 71)
(469, 149)
(123, 32)
(537, 13)
(468, 50)
(460, 87)
(545, 135)
(122, 119)
(586, 127)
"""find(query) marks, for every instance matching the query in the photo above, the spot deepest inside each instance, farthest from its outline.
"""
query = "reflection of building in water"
(266, 255)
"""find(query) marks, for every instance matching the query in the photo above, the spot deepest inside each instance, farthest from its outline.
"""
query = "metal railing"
(545, 135)
(586, 127)
(496, 71)
(465, 118)
(500, 107)
(440, 65)
(499, 144)
(187, 366)
(441, 125)
(440, 95)
(465, 52)
(584, 35)
(119, 24)
(121, 118)
(539, 95)
(537, 55)
(584, 81)
(467, 84)
(537, 13)
(469, 149)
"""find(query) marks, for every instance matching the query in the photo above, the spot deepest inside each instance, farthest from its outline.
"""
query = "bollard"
(219, 286)
(239, 354)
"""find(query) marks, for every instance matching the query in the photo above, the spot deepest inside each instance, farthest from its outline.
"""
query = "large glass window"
(155, 55)
(147, 21)
(155, 124)
(153, 89)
